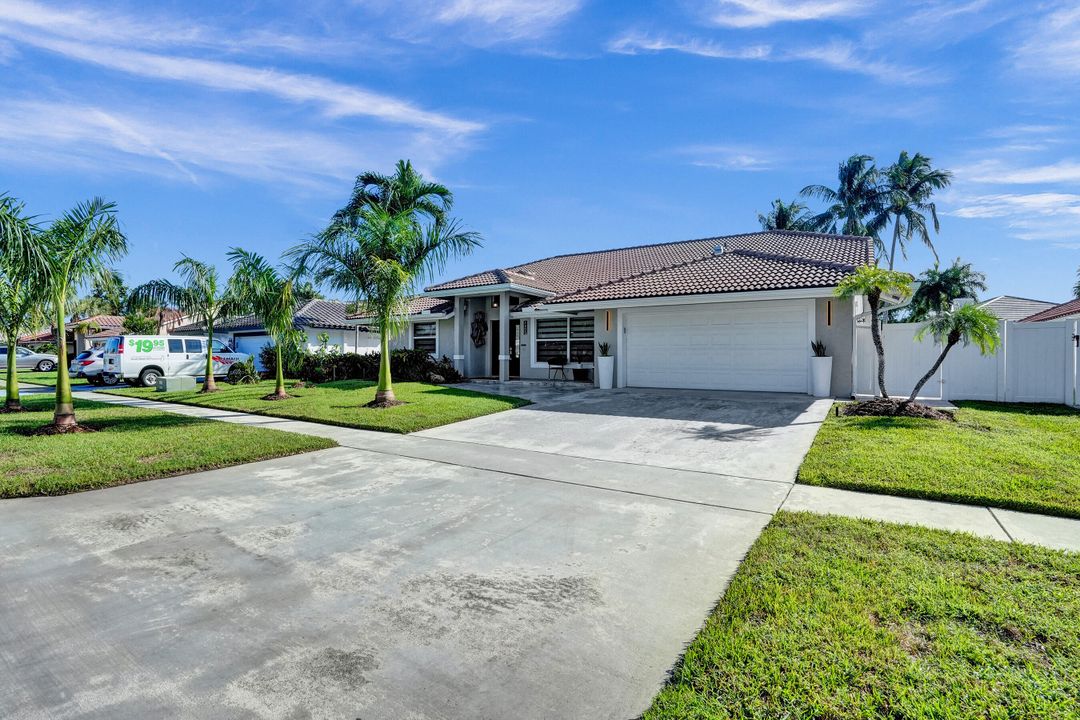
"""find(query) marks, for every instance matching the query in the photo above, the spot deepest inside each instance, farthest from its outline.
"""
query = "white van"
(142, 359)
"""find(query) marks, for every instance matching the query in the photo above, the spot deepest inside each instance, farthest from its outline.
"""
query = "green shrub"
(328, 365)
(243, 373)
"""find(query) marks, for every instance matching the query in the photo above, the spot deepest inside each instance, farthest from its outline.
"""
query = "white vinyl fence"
(1037, 362)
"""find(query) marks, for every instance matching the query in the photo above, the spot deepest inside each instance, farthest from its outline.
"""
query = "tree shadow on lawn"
(25, 426)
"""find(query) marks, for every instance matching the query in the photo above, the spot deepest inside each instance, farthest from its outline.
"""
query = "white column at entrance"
(504, 337)
(460, 325)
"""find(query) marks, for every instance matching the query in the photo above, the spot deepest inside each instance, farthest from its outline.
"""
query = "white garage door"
(252, 344)
(723, 346)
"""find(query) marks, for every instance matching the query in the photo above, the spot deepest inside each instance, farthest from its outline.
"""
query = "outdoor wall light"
(524, 327)
(494, 301)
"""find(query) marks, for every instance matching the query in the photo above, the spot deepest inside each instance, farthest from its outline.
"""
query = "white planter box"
(605, 371)
(821, 376)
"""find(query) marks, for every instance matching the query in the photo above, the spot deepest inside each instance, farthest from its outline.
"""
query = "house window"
(570, 338)
(424, 337)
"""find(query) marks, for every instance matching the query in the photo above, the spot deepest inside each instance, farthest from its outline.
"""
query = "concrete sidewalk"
(731, 492)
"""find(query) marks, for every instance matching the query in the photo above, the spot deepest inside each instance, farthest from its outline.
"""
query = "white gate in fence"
(1037, 362)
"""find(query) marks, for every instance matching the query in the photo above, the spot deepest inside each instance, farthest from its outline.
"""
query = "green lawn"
(1023, 457)
(132, 444)
(44, 378)
(835, 618)
(342, 403)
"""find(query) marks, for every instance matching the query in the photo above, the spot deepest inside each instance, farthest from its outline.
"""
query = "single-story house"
(1012, 308)
(1065, 311)
(314, 318)
(93, 331)
(731, 313)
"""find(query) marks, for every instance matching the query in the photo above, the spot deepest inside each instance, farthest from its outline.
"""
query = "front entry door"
(494, 340)
(515, 348)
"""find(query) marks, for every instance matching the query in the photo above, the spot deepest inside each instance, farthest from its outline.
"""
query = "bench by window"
(569, 337)
(425, 337)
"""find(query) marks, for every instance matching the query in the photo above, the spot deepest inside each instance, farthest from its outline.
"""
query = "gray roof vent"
(719, 249)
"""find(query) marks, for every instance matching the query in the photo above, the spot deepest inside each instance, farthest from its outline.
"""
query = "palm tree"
(967, 324)
(939, 288)
(854, 207)
(22, 288)
(78, 248)
(786, 216)
(1076, 287)
(874, 282)
(269, 294)
(910, 182)
(405, 191)
(393, 234)
(201, 295)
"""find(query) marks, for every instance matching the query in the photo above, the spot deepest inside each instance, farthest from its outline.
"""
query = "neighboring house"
(1065, 311)
(315, 317)
(93, 331)
(1012, 308)
(733, 313)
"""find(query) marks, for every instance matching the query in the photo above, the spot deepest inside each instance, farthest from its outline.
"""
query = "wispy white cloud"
(1051, 43)
(740, 158)
(1038, 217)
(634, 43)
(334, 98)
(762, 13)
(194, 149)
(999, 172)
(510, 19)
(838, 55)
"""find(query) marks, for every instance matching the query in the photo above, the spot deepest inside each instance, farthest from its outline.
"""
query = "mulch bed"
(880, 407)
(61, 430)
(275, 396)
(384, 404)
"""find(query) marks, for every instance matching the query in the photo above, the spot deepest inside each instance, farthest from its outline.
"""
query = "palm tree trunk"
(209, 384)
(384, 391)
(64, 414)
(926, 378)
(13, 402)
(895, 238)
(279, 373)
(875, 332)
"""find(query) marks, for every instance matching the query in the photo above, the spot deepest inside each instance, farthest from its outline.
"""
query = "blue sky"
(561, 125)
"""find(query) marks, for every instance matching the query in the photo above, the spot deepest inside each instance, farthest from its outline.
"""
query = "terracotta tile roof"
(1057, 312)
(767, 260)
(417, 305)
(314, 314)
(1010, 307)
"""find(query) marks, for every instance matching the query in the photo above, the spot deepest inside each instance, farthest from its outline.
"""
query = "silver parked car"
(90, 364)
(27, 359)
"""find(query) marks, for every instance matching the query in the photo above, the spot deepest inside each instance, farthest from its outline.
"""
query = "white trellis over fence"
(1037, 362)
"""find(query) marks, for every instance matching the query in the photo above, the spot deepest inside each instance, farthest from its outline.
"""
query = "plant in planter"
(820, 370)
(605, 366)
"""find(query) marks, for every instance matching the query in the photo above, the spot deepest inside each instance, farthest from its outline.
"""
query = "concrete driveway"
(444, 575)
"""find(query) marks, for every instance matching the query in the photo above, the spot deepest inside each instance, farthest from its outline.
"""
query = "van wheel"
(110, 380)
(149, 377)
(46, 366)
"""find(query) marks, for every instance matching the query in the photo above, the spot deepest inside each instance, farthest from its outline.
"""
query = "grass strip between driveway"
(835, 618)
(1008, 455)
(131, 444)
(343, 403)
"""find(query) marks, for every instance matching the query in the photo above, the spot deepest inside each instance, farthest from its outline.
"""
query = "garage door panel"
(728, 346)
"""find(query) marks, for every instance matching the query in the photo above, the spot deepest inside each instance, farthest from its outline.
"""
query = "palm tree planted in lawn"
(394, 233)
(1076, 287)
(855, 206)
(77, 248)
(967, 324)
(875, 283)
(201, 295)
(786, 216)
(22, 288)
(938, 289)
(909, 185)
(269, 294)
